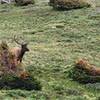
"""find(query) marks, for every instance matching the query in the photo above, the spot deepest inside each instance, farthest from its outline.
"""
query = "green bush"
(70, 4)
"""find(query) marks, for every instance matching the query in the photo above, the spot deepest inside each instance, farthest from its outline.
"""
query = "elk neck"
(22, 52)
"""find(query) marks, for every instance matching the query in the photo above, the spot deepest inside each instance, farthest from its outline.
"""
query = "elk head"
(24, 47)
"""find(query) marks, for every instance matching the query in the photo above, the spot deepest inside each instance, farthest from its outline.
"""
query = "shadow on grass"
(82, 77)
(9, 81)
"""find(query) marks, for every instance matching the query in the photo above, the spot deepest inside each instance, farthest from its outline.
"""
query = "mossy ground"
(57, 39)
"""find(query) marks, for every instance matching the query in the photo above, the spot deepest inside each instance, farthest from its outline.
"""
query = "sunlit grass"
(57, 40)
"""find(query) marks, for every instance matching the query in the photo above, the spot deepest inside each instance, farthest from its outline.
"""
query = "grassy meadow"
(57, 39)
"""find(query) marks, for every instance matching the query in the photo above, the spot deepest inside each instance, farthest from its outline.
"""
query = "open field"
(57, 40)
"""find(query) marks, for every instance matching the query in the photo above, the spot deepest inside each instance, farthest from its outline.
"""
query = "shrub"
(70, 4)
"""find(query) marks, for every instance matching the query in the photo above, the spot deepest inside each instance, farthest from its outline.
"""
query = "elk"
(19, 52)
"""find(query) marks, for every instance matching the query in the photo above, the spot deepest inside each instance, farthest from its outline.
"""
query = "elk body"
(19, 52)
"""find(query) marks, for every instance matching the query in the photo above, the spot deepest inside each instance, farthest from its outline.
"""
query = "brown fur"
(18, 52)
(6, 58)
(86, 66)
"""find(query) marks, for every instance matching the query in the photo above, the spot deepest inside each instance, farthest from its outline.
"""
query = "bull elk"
(19, 52)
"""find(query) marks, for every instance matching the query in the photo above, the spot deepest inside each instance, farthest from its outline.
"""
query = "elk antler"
(23, 42)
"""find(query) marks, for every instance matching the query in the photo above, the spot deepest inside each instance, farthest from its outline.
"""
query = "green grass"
(57, 40)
